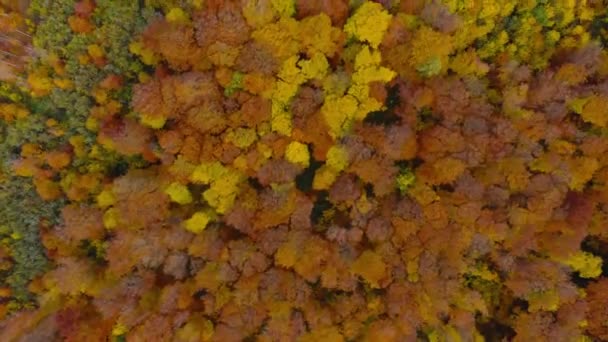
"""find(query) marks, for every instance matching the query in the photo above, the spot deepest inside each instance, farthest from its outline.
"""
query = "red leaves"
(80, 23)
(84, 8)
(337, 10)
(112, 82)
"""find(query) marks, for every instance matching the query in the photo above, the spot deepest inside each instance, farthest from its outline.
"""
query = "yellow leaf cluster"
(430, 51)
(587, 264)
(177, 15)
(369, 23)
(179, 193)
(106, 198)
(110, 218)
(318, 35)
(242, 137)
(293, 73)
(337, 160)
(280, 37)
(340, 112)
(224, 184)
(297, 153)
(156, 122)
(199, 221)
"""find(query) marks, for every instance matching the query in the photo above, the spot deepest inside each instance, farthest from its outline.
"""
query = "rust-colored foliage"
(313, 171)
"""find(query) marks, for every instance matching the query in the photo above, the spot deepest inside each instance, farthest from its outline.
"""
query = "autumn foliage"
(308, 170)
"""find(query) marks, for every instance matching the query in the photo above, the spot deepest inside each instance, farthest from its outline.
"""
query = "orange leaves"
(442, 171)
(581, 171)
(515, 171)
(171, 141)
(112, 82)
(287, 255)
(255, 110)
(436, 216)
(594, 110)
(154, 328)
(175, 43)
(45, 168)
(129, 248)
(379, 172)
(277, 208)
(371, 268)
(215, 275)
(571, 73)
(170, 97)
(140, 202)
(328, 334)
(403, 230)
(10, 112)
(78, 187)
(79, 24)
(39, 82)
(397, 142)
(58, 160)
(438, 140)
(305, 254)
(47, 189)
(72, 276)
(387, 207)
(225, 24)
(385, 331)
(26, 167)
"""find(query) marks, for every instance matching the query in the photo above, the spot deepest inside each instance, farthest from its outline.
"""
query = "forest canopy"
(304, 170)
